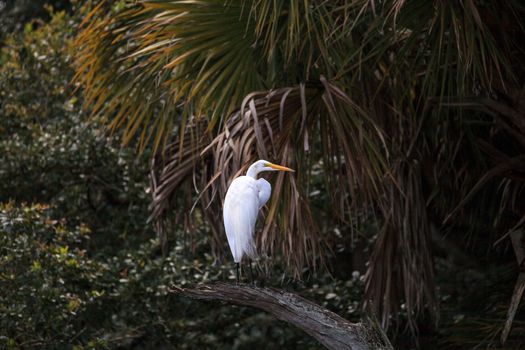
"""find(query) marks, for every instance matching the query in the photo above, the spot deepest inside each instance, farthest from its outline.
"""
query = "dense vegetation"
(81, 266)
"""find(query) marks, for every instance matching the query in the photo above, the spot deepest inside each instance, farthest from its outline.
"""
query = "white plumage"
(241, 207)
(245, 196)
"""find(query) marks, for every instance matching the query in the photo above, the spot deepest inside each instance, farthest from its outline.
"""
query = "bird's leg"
(237, 270)
(251, 273)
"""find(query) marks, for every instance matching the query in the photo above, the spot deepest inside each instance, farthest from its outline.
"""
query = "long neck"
(252, 172)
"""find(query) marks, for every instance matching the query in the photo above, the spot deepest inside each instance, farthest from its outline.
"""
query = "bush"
(50, 152)
(50, 289)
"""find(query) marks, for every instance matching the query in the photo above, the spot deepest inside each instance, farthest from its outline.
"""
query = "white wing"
(265, 191)
(241, 207)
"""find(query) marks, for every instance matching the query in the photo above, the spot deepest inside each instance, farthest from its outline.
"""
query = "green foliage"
(54, 292)
(49, 288)
(45, 139)
(15, 15)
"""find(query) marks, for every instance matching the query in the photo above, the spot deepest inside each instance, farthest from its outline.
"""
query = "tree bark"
(328, 328)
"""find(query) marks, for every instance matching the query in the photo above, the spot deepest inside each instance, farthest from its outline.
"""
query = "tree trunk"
(328, 328)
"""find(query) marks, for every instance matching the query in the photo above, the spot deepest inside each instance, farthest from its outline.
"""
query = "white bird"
(245, 196)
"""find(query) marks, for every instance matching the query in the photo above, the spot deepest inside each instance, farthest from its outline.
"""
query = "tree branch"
(328, 328)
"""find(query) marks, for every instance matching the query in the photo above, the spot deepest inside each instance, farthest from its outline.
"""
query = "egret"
(245, 196)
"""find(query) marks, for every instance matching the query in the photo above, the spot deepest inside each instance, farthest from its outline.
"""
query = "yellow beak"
(279, 167)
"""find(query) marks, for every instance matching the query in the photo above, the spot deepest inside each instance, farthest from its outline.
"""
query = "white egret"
(245, 196)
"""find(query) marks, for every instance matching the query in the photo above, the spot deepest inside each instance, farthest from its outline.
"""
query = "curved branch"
(328, 328)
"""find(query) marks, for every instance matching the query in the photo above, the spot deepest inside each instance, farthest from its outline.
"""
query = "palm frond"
(265, 126)
(158, 62)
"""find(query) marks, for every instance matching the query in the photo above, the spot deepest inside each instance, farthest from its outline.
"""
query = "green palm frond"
(156, 63)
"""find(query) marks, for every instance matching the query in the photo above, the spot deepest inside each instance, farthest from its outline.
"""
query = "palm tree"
(397, 104)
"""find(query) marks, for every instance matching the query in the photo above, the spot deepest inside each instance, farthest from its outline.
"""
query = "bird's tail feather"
(244, 242)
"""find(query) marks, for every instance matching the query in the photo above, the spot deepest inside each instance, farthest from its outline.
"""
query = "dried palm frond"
(507, 169)
(266, 127)
(401, 266)
(176, 164)
(455, 50)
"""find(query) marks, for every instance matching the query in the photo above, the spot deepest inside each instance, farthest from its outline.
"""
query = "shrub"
(49, 286)
(49, 151)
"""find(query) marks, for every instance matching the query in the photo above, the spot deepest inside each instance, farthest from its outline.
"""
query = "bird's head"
(264, 165)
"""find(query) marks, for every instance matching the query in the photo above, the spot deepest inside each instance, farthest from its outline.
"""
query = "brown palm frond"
(508, 169)
(266, 126)
(265, 122)
(403, 251)
(506, 166)
(171, 168)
